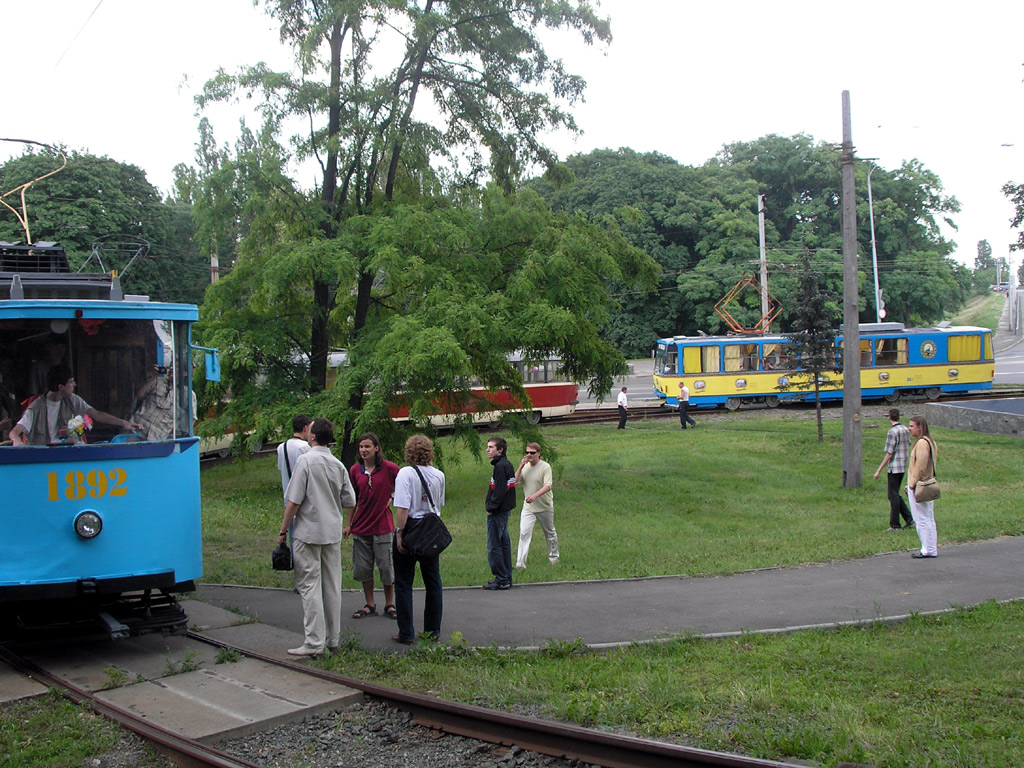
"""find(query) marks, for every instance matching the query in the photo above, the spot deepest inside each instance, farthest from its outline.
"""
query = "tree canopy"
(397, 253)
(701, 225)
(93, 197)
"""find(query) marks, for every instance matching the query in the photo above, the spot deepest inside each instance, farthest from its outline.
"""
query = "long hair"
(377, 452)
(920, 421)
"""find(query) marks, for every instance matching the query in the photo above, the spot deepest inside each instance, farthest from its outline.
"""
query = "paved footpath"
(604, 613)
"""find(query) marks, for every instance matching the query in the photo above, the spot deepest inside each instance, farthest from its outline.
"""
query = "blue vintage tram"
(102, 526)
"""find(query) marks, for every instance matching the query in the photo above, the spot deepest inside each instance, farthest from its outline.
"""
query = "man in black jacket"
(501, 498)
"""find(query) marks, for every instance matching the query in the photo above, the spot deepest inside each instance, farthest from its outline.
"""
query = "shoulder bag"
(928, 490)
(426, 536)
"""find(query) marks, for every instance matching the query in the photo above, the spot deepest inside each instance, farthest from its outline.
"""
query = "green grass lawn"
(728, 496)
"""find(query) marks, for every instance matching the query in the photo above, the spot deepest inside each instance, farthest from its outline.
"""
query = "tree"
(96, 196)
(700, 224)
(396, 254)
(814, 317)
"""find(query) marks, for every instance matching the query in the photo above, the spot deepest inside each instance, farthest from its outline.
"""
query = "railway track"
(161, 726)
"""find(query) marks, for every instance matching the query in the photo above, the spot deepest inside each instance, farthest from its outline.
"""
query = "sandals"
(390, 612)
(366, 610)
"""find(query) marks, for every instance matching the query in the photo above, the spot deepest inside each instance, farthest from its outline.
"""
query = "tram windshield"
(125, 368)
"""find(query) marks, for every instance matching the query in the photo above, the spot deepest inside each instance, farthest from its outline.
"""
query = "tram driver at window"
(48, 414)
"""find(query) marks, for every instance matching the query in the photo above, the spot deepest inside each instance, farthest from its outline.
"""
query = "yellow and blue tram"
(101, 524)
(895, 362)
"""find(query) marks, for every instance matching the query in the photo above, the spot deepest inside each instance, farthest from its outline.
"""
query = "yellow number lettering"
(119, 478)
(75, 482)
(51, 481)
(97, 482)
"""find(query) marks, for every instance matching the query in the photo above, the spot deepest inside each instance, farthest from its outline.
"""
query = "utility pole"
(764, 262)
(853, 462)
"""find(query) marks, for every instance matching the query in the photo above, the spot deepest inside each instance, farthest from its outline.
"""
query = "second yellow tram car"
(895, 362)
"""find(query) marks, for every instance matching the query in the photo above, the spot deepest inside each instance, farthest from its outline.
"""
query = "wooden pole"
(853, 462)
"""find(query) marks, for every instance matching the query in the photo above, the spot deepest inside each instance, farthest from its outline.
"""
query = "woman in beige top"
(922, 467)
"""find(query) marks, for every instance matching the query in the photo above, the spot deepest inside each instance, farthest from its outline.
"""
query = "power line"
(76, 35)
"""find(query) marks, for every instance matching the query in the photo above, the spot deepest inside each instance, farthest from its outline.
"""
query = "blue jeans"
(499, 547)
(405, 574)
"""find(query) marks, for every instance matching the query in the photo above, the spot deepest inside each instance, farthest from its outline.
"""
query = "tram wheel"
(933, 393)
(732, 404)
(534, 418)
(892, 397)
(772, 401)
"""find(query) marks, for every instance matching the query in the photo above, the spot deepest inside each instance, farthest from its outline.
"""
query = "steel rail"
(186, 751)
(545, 737)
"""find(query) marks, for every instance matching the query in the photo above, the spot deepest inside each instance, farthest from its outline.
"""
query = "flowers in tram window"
(79, 424)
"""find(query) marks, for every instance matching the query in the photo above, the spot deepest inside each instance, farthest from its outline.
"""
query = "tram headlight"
(88, 524)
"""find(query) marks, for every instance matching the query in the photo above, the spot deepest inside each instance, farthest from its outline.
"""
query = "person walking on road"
(419, 491)
(922, 467)
(897, 451)
(372, 524)
(684, 406)
(538, 504)
(501, 498)
(318, 495)
(623, 404)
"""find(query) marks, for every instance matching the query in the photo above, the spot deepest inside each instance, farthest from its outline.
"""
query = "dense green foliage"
(701, 225)
(397, 254)
(96, 197)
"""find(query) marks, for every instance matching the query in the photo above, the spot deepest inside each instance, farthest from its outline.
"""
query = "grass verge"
(982, 311)
(51, 732)
(933, 691)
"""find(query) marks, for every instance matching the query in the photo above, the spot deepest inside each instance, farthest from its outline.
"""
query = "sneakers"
(495, 584)
(909, 525)
(305, 650)
(552, 560)
(897, 528)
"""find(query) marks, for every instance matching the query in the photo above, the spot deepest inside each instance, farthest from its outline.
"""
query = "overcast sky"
(936, 81)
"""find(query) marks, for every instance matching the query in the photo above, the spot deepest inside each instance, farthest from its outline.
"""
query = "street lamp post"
(874, 250)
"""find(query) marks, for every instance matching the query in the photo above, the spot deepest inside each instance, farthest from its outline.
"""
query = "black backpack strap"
(426, 490)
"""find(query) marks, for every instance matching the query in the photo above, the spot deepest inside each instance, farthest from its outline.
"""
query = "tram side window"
(741, 357)
(772, 359)
(963, 348)
(701, 359)
(891, 351)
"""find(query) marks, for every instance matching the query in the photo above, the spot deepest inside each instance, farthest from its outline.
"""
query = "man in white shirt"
(684, 406)
(317, 498)
(623, 408)
(289, 451)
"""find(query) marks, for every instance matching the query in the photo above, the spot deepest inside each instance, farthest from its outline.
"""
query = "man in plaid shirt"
(897, 449)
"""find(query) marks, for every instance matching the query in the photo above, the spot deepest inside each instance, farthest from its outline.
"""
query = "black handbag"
(426, 536)
(281, 558)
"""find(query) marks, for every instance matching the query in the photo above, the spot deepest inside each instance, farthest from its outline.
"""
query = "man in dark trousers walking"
(623, 404)
(684, 406)
(897, 449)
(501, 498)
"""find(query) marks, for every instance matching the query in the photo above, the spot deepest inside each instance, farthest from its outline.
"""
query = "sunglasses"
(531, 453)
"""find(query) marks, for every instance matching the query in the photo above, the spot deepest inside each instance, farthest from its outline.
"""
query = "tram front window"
(114, 363)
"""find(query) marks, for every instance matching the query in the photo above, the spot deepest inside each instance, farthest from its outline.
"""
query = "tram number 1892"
(95, 484)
